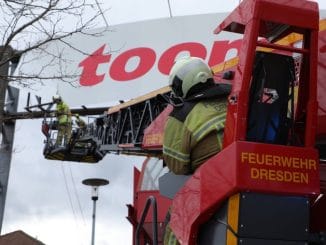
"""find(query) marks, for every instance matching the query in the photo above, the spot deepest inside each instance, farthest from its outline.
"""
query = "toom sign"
(147, 58)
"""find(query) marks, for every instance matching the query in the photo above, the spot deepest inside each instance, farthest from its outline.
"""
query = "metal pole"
(94, 218)
(7, 128)
(95, 183)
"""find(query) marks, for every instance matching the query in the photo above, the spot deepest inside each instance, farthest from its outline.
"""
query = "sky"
(46, 198)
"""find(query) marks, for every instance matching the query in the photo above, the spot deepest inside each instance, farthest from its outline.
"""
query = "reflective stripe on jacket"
(63, 113)
(189, 143)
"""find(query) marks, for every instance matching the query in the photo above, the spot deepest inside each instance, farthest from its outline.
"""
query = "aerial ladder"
(268, 183)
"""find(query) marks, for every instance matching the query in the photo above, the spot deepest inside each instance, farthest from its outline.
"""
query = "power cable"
(77, 196)
(69, 196)
(70, 199)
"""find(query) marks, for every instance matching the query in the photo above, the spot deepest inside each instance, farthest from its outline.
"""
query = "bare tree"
(32, 25)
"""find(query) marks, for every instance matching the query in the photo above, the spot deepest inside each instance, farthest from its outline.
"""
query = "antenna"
(170, 10)
(102, 14)
(57, 90)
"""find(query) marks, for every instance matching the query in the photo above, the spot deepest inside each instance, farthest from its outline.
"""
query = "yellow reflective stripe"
(175, 154)
(172, 239)
(233, 219)
(322, 25)
(169, 237)
(219, 140)
(225, 65)
(214, 123)
(231, 239)
(233, 212)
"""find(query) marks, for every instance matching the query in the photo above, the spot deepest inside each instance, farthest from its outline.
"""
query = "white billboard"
(132, 59)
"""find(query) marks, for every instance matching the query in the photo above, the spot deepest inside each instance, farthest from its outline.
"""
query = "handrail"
(150, 201)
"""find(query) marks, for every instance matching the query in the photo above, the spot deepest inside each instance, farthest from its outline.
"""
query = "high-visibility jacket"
(193, 133)
(80, 123)
(63, 113)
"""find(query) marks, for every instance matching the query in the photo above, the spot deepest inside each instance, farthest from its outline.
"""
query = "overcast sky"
(38, 201)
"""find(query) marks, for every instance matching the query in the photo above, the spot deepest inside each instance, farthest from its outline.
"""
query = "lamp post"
(95, 184)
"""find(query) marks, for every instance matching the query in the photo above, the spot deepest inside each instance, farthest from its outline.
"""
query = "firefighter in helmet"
(81, 125)
(194, 130)
(80, 122)
(63, 115)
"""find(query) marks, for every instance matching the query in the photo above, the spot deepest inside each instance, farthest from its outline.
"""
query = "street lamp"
(95, 184)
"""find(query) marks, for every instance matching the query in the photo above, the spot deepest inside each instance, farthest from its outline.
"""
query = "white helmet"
(186, 73)
(56, 98)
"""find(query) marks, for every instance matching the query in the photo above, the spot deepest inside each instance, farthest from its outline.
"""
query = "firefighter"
(81, 125)
(63, 115)
(80, 122)
(194, 129)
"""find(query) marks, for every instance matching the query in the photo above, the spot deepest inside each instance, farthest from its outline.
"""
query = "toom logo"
(147, 58)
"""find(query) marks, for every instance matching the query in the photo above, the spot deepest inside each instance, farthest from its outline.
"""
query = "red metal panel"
(323, 178)
(278, 11)
(153, 134)
(135, 186)
(163, 205)
(276, 168)
(140, 197)
(229, 130)
(139, 201)
(242, 166)
(210, 185)
(240, 15)
(300, 13)
(141, 176)
(321, 128)
(136, 183)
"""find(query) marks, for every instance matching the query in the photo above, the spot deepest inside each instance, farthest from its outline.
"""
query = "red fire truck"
(268, 184)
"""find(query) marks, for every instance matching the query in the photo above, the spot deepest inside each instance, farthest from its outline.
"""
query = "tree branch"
(31, 25)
